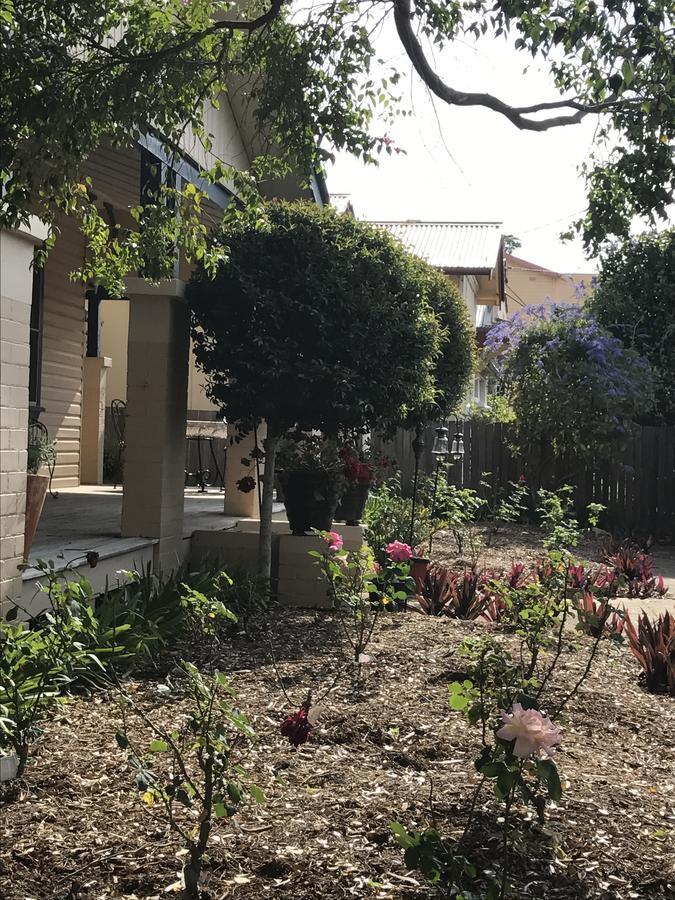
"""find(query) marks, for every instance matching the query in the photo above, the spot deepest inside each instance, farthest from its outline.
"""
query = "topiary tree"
(316, 321)
(573, 387)
(633, 299)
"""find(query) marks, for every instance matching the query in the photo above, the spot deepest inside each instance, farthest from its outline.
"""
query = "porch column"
(238, 503)
(94, 378)
(16, 289)
(157, 375)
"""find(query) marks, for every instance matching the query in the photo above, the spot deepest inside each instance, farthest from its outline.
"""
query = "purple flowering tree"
(574, 388)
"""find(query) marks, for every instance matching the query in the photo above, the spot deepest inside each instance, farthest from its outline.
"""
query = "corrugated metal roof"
(462, 247)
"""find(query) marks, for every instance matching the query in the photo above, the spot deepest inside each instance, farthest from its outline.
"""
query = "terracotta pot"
(418, 570)
(352, 503)
(36, 491)
(310, 499)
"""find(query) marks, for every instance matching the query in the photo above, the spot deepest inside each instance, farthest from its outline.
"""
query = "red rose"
(297, 727)
(246, 484)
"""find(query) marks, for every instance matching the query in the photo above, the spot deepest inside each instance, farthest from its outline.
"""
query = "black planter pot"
(352, 503)
(311, 499)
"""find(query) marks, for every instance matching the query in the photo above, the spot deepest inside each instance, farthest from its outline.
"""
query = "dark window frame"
(35, 341)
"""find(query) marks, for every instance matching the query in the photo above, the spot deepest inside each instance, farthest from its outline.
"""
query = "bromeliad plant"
(360, 589)
(193, 775)
(653, 645)
(459, 595)
(635, 568)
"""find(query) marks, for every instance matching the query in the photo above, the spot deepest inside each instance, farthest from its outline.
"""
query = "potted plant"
(310, 473)
(361, 471)
(41, 452)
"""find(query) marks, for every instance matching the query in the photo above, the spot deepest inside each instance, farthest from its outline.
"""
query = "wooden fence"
(637, 486)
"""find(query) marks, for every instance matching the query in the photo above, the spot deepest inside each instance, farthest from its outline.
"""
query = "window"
(35, 364)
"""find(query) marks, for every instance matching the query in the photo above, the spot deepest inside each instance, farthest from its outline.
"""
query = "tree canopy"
(634, 299)
(574, 389)
(319, 321)
(76, 74)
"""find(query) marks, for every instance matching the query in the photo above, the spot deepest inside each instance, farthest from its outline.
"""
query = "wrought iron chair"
(118, 414)
(38, 434)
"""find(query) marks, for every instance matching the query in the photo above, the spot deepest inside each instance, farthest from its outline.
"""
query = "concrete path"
(664, 564)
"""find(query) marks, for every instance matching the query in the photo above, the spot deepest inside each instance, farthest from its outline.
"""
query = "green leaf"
(158, 746)
(402, 836)
(256, 793)
(234, 792)
(220, 810)
(548, 772)
(458, 702)
(122, 740)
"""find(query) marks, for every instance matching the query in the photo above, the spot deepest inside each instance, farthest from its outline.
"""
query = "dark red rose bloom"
(522, 479)
(297, 727)
(246, 484)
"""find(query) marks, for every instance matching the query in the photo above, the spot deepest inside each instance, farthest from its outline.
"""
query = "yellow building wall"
(532, 286)
(114, 336)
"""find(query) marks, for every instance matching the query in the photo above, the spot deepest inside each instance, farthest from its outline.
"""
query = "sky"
(472, 164)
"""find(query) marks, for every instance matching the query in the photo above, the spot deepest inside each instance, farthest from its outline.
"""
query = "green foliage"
(193, 773)
(284, 332)
(308, 452)
(247, 596)
(41, 452)
(314, 85)
(559, 522)
(387, 518)
(633, 299)
(358, 591)
(41, 659)
(498, 410)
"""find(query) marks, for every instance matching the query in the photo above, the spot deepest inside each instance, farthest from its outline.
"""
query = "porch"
(88, 518)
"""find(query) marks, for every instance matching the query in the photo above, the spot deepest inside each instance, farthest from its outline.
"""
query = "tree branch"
(516, 115)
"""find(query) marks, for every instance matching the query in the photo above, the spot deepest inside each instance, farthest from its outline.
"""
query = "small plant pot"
(352, 504)
(310, 498)
(418, 571)
(36, 491)
(9, 766)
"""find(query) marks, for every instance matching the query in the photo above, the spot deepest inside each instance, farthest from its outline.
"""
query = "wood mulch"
(75, 828)
(511, 543)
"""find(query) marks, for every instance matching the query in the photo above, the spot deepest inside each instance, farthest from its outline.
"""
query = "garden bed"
(510, 543)
(75, 828)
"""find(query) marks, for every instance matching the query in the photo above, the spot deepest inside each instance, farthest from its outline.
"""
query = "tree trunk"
(265, 540)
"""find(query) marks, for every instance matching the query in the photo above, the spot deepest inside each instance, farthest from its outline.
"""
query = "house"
(471, 254)
(54, 368)
(530, 284)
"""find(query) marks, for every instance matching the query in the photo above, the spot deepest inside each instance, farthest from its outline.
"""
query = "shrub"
(387, 518)
(194, 773)
(41, 659)
(459, 595)
(360, 590)
(653, 645)
(573, 387)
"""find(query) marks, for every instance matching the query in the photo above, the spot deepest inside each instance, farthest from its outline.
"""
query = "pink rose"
(334, 541)
(398, 551)
(531, 730)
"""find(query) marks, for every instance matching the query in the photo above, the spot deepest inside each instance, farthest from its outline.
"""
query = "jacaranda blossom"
(334, 541)
(397, 551)
(297, 727)
(531, 730)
